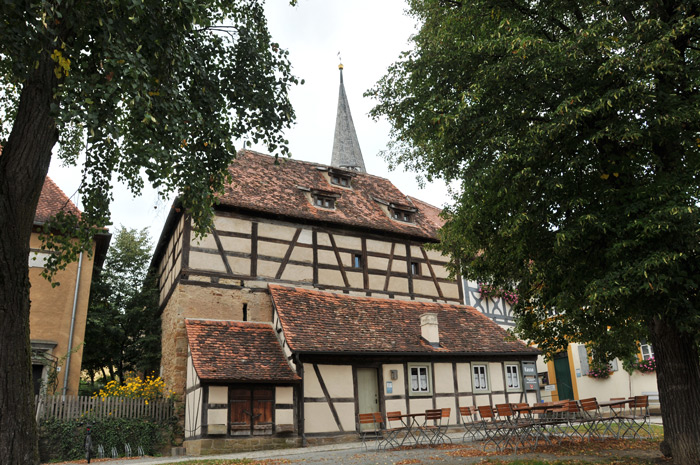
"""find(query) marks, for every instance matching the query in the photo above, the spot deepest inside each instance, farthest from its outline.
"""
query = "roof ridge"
(373, 298)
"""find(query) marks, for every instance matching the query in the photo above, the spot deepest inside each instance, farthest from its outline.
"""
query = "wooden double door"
(251, 410)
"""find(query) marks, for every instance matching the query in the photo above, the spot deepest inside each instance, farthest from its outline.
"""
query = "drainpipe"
(72, 325)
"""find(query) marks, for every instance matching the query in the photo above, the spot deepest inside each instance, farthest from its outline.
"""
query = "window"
(324, 201)
(479, 374)
(647, 351)
(357, 260)
(338, 180)
(512, 377)
(415, 268)
(402, 215)
(419, 379)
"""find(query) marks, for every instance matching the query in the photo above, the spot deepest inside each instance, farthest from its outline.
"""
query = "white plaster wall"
(318, 418)
(312, 388)
(218, 394)
(284, 417)
(284, 395)
(464, 378)
(398, 388)
(496, 376)
(223, 223)
(444, 378)
(338, 380)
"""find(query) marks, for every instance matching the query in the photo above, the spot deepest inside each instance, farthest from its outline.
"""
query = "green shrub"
(65, 439)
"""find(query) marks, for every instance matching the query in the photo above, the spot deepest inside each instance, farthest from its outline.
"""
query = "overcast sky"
(370, 35)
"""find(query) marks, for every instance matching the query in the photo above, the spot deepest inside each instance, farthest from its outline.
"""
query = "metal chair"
(373, 431)
(470, 423)
(394, 426)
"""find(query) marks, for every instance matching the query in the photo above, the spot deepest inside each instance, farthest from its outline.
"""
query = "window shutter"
(613, 365)
(583, 360)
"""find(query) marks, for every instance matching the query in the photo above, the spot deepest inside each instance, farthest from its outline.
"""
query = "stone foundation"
(231, 445)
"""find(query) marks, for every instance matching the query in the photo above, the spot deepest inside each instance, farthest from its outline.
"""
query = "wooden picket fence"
(69, 407)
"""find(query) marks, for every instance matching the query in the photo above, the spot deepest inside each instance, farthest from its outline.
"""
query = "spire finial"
(346, 149)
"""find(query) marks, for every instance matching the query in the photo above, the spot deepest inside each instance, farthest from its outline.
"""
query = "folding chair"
(470, 423)
(638, 418)
(370, 433)
(394, 426)
(441, 433)
(590, 412)
(431, 426)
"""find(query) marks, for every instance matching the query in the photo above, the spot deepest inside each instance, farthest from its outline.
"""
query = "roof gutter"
(72, 326)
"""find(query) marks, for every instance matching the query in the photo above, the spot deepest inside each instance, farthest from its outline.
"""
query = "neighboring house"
(58, 314)
(566, 376)
(313, 299)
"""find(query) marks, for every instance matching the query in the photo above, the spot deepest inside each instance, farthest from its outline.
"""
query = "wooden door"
(563, 373)
(367, 392)
(251, 410)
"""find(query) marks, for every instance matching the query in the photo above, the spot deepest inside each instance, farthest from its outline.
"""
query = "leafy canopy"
(573, 129)
(150, 88)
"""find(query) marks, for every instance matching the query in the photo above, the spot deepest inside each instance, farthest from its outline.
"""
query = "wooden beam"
(328, 397)
(432, 272)
(288, 254)
(340, 262)
(254, 249)
(388, 270)
(222, 252)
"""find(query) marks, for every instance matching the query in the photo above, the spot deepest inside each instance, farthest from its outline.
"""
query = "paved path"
(346, 454)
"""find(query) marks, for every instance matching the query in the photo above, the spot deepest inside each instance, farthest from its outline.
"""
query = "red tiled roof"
(315, 321)
(237, 351)
(51, 201)
(260, 185)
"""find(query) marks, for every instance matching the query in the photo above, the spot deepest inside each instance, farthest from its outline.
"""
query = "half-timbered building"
(315, 297)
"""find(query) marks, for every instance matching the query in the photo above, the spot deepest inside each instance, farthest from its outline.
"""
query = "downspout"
(72, 325)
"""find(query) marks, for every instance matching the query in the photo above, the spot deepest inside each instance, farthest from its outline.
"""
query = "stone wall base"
(231, 445)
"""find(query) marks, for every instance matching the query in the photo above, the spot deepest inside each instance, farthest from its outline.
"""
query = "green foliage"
(123, 327)
(65, 439)
(154, 88)
(573, 129)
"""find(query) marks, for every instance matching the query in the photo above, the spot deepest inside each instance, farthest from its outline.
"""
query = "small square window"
(479, 374)
(647, 351)
(357, 260)
(415, 268)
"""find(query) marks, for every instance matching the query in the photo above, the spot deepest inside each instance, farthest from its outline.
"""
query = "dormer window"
(343, 181)
(400, 214)
(324, 201)
(340, 178)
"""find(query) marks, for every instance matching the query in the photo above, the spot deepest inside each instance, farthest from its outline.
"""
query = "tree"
(123, 327)
(148, 87)
(573, 129)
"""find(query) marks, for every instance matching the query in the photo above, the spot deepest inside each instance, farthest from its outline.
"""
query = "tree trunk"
(678, 377)
(23, 166)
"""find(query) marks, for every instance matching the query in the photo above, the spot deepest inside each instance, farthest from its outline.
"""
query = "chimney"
(429, 329)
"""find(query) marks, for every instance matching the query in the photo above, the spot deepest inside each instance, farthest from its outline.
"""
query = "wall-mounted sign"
(578, 372)
(550, 387)
(529, 368)
(389, 387)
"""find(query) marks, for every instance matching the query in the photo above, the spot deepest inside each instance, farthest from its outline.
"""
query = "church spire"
(346, 148)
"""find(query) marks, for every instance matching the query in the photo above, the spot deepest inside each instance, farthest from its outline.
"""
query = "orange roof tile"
(261, 186)
(315, 321)
(51, 201)
(237, 351)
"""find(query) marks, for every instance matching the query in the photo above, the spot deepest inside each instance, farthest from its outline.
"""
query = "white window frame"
(480, 381)
(422, 389)
(647, 351)
(513, 376)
